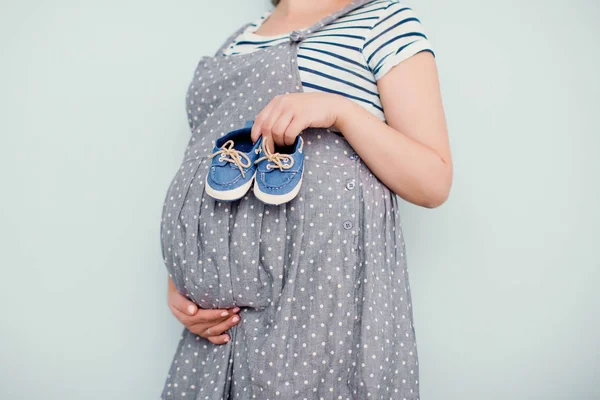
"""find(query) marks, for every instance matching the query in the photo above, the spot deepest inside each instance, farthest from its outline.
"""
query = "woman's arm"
(411, 153)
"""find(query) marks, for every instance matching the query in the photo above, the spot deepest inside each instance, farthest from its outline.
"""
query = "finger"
(200, 330)
(266, 129)
(182, 303)
(294, 129)
(270, 143)
(256, 130)
(279, 128)
(221, 339)
(181, 317)
(220, 328)
(275, 110)
(210, 316)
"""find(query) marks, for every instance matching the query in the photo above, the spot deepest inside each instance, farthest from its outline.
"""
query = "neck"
(299, 8)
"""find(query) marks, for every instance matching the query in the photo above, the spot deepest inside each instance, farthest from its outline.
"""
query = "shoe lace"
(235, 156)
(277, 158)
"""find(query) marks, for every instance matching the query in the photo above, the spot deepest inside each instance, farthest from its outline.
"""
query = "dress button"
(295, 36)
(347, 225)
(353, 156)
(350, 185)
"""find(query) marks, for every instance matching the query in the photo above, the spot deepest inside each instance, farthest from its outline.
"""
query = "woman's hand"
(210, 324)
(287, 115)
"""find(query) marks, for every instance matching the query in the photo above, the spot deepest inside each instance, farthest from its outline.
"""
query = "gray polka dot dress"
(321, 281)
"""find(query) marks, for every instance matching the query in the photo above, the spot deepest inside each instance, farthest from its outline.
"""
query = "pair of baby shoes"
(237, 163)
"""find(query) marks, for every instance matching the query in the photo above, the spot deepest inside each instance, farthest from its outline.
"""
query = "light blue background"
(505, 275)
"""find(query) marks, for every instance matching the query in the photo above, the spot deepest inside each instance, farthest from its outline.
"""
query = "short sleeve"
(397, 35)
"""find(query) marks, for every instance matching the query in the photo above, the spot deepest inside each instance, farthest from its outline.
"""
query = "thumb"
(183, 304)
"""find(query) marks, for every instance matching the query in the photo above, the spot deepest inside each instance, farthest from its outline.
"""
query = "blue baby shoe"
(279, 175)
(233, 166)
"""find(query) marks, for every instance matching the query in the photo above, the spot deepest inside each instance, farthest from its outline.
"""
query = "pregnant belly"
(223, 254)
(242, 253)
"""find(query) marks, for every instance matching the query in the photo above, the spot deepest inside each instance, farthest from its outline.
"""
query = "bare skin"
(410, 153)
(198, 320)
(292, 15)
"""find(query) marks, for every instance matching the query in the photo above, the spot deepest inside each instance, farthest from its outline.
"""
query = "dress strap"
(300, 35)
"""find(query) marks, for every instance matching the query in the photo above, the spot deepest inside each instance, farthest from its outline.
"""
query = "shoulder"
(395, 34)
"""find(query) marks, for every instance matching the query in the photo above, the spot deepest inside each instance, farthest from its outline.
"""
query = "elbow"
(430, 196)
(435, 199)
(429, 191)
(437, 193)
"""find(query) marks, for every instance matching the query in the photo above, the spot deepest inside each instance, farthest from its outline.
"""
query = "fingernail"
(224, 314)
(236, 309)
(191, 309)
(236, 319)
(226, 339)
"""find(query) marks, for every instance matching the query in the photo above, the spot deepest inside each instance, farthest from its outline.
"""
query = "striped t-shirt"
(349, 55)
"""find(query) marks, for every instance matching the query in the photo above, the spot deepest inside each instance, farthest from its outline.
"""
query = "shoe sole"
(276, 199)
(229, 195)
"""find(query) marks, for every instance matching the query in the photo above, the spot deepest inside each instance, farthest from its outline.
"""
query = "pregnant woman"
(309, 299)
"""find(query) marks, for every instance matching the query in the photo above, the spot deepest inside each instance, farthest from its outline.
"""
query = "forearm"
(170, 286)
(410, 169)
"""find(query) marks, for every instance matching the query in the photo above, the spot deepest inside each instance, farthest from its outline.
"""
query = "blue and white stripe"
(352, 53)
